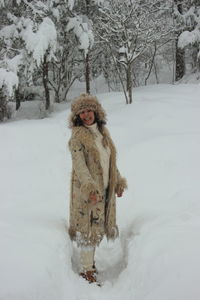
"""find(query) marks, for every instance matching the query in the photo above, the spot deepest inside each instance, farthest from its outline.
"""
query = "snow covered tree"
(66, 67)
(129, 28)
(82, 25)
(187, 18)
(9, 57)
(179, 27)
(8, 81)
(39, 36)
(28, 37)
(190, 37)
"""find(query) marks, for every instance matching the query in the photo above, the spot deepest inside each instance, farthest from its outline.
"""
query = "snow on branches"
(70, 4)
(189, 38)
(37, 43)
(82, 31)
(8, 79)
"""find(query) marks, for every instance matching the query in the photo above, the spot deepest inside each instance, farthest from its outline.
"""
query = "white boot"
(87, 259)
(87, 264)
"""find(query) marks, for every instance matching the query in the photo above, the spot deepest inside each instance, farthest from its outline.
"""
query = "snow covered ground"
(157, 254)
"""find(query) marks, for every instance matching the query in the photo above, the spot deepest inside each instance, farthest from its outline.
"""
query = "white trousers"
(87, 259)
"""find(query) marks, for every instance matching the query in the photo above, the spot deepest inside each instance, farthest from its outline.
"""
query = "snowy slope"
(157, 254)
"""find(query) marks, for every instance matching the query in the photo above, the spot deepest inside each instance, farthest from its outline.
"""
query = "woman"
(95, 181)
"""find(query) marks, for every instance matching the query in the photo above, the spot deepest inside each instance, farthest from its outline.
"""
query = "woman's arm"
(121, 184)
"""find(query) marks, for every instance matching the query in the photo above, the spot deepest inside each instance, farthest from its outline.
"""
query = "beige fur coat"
(89, 223)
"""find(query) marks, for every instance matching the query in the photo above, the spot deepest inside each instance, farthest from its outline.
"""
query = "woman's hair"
(79, 122)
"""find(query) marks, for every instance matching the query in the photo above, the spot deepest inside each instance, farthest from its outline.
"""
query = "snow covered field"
(157, 254)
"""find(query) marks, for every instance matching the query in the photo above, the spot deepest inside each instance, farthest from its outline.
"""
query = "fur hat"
(83, 102)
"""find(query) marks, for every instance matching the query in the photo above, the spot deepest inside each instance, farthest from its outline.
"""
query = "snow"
(70, 4)
(39, 42)
(82, 31)
(8, 32)
(14, 63)
(188, 37)
(2, 3)
(9, 79)
(157, 254)
(56, 13)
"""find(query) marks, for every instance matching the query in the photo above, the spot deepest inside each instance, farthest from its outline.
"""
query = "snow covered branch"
(82, 31)
(189, 38)
(8, 79)
(37, 43)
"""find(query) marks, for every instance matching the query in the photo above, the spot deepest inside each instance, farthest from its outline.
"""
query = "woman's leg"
(87, 259)
(88, 270)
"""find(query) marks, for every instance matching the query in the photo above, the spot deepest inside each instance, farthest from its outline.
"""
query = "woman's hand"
(93, 198)
(120, 192)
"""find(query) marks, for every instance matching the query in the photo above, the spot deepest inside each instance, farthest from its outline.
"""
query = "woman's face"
(87, 116)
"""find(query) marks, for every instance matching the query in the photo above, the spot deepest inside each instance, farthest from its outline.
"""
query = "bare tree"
(129, 28)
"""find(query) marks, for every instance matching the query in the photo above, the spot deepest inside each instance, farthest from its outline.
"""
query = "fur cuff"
(88, 188)
(121, 184)
(112, 233)
(72, 233)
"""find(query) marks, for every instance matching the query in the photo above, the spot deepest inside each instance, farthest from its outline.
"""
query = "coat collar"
(85, 136)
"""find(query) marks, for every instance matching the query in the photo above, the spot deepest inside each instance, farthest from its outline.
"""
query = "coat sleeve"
(80, 168)
(121, 183)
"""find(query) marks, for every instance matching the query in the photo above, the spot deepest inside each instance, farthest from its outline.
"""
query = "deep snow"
(157, 254)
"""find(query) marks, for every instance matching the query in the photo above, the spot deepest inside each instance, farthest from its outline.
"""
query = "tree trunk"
(156, 73)
(87, 58)
(3, 105)
(87, 73)
(57, 96)
(68, 88)
(129, 83)
(152, 64)
(180, 63)
(45, 82)
(17, 98)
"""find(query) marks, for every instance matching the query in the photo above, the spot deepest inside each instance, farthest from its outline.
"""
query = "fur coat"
(88, 222)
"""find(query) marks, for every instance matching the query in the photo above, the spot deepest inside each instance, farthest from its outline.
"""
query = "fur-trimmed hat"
(83, 102)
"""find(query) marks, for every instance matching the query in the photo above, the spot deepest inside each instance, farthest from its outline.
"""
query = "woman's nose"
(85, 113)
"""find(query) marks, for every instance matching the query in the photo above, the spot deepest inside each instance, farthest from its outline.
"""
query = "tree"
(8, 81)
(67, 66)
(28, 37)
(81, 26)
(128, 28)
(189, 39)
(179, 27)
(186, 16)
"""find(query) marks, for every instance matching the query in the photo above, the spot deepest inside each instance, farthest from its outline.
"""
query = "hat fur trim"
(86, 102)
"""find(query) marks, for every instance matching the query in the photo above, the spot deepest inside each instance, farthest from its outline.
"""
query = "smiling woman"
(87, 116)
(95, 181)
